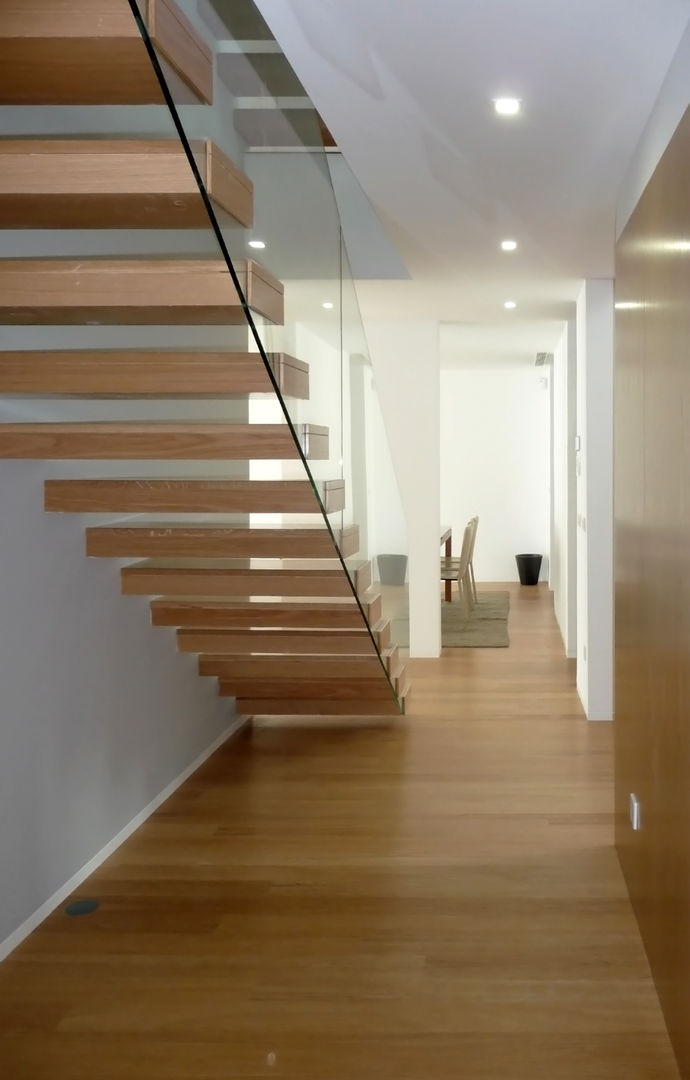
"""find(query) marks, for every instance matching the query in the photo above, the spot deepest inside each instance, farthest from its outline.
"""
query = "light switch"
(635, 812)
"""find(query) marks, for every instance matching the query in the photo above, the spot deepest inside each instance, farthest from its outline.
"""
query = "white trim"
(29, 925)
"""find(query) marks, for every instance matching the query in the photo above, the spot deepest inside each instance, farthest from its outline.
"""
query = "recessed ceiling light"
(507, 106)
(257, 244)
(508, 245)
(510, 305)
(327, 305)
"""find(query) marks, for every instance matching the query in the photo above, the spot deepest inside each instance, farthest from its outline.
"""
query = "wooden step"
(285, 690)
(318, 707)
(163, 373)
(400, 682)
(65, 52)
(403, 695)
(117, 184)
(257, 613)
(228, 577)
(193, 496)
(362, 574)
(299, 668)
(253, 73)
(208, 541)
(391, 658)
(217, 646)
(236, 22)
(159, 441)
(142, 292)
(382, 634)
(287, 124)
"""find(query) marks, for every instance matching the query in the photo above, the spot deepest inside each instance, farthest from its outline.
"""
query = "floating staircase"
(285, 618)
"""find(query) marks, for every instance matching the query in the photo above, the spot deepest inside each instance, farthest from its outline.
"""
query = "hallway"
(433, 899)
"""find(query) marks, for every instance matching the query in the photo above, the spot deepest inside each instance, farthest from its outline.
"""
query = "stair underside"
(233, 669)
(233, 641)
(116, 183)
(142, 292)
(300, 666)
(193, 496)
(56, 52)
(164, 441)
(154, 372)
(236, 642)
(258, 613)
(209, 541)
(334, 689)
(319, 707)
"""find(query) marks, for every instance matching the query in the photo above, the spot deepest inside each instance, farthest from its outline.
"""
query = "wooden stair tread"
(391, 658)
(208, 541)
(117, 183)
(132, 440)
(62, 53)
(258, 613)
(164, 373)
(382, 632)
(222, 577)
(192, 496)
(167, 291)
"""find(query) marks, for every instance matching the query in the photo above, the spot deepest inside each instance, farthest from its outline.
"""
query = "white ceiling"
(406, 87)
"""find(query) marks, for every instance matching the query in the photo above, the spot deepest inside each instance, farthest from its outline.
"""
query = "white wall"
(495, 463)
(595, 498)
(563, 568)
(99, 710)
(405, 359)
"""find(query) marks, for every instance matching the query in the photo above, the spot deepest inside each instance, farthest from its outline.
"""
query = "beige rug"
(486, 628)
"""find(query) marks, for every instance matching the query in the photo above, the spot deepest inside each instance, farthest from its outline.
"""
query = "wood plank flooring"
(432, 898)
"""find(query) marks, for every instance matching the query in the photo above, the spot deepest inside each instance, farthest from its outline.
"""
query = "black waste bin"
(528, 568)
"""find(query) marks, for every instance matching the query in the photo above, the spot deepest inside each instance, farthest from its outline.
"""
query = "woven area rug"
(486, 628)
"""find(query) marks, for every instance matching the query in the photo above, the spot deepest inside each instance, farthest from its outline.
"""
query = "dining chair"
(474, 522)
(457, 569)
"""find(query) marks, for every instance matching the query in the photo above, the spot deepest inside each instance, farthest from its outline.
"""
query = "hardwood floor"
(431, 898)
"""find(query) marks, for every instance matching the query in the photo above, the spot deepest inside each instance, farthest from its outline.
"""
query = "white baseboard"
(29, 925)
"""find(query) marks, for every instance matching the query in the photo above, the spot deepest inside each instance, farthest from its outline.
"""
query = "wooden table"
(447, 539)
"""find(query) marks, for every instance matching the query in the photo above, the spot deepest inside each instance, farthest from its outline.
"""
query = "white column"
(595, 498)
(564, 504)
(406, 365)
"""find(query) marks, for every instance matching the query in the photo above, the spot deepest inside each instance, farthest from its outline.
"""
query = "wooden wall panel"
(652, 567)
